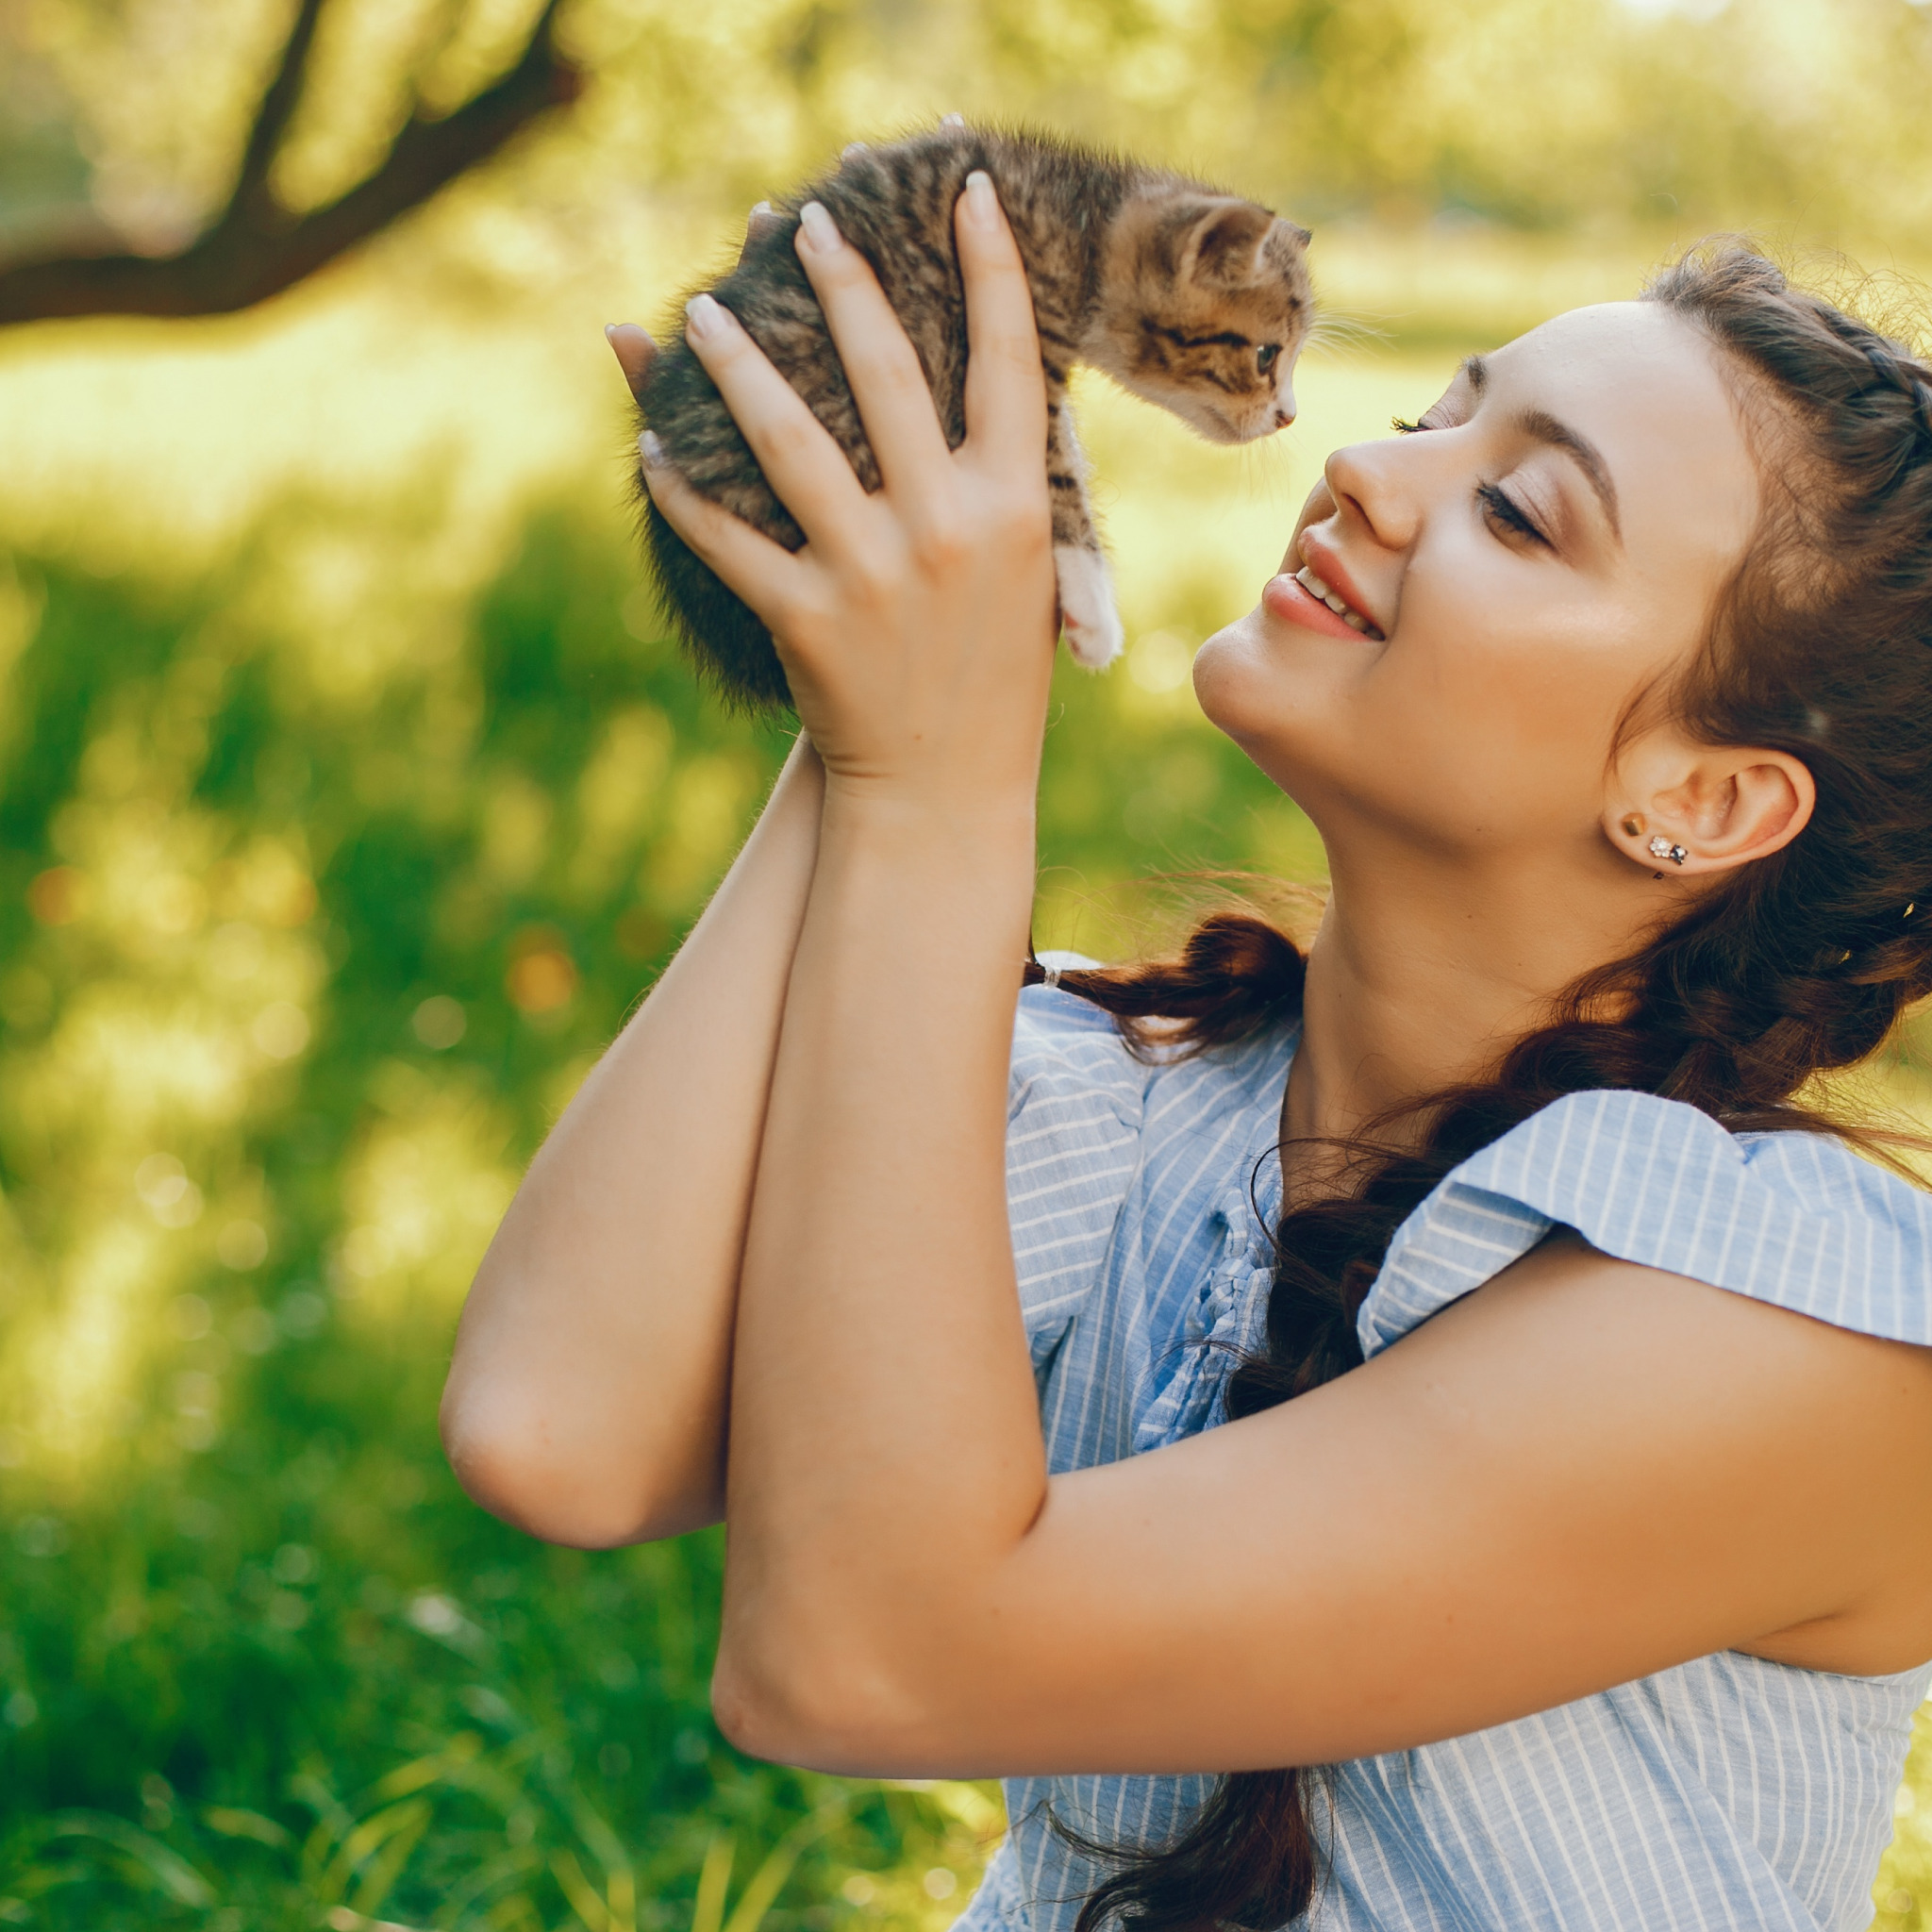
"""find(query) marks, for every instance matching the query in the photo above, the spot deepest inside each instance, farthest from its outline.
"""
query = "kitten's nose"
(1284, 411)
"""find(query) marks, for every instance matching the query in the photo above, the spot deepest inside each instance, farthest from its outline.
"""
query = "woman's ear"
(1683, 807)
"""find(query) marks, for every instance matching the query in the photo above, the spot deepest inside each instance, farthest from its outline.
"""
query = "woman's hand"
(917, 625)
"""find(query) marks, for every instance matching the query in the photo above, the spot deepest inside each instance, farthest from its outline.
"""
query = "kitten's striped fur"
(1195, 299)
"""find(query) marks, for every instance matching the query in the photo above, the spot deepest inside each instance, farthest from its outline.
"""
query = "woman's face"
(1542, 552)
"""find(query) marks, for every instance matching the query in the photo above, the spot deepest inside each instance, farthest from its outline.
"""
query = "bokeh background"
(350, 795)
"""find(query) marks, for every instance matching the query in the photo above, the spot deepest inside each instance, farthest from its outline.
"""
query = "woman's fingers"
(767, 575)
(635, 352)
(801, 462)
(1006, 394)
(763, 219)
(887, 381)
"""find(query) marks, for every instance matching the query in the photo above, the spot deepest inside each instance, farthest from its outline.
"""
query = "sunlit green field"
(349, 797)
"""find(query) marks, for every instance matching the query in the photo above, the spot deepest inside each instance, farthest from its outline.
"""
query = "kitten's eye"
(1267, 355)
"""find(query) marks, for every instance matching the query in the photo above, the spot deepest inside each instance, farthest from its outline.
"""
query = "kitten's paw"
(1088, 616)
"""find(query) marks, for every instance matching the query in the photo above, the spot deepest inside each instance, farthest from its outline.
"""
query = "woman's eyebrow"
(1540, 426)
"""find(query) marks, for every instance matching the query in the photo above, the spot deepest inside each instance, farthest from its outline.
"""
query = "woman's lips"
(1284, 598)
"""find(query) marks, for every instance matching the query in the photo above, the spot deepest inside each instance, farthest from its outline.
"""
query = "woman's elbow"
(513, 1466)
(827, 1707)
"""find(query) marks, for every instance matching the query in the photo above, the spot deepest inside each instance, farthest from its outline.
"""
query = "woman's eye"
(1503, 509)
(1500, 506)
(1267, 355)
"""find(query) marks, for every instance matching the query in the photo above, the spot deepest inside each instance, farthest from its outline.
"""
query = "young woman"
(1579, 1584)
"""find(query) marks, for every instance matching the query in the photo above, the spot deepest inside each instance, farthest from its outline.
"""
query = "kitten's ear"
(1224, 248)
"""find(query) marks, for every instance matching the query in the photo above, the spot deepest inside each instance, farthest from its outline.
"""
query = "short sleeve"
(1075, 1104)
(1797, 1220)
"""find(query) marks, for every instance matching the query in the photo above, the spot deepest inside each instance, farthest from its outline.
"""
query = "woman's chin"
(1270, 706)
(1240, 682)
(1219, 664)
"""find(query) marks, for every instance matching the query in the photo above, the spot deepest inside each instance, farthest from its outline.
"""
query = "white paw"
(1091, 624)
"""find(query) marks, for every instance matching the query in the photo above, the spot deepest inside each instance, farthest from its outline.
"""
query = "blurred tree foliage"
(1541, 112)
(1537, 112)
(263, 238)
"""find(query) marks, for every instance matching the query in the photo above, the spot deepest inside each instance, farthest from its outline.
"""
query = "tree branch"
(255, 249)
(279, 103)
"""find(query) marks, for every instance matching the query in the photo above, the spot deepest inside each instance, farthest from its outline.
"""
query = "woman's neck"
(1423, 973)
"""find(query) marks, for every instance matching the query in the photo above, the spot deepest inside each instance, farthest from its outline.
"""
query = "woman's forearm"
(885, 1436)
(586, 1399)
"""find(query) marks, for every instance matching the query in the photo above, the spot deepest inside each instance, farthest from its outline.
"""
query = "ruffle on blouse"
(1225, 1320)
(1796, 1220)
(1084, 1116)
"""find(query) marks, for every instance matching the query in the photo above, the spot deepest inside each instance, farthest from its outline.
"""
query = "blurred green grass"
(350, 795)
(258, 1656)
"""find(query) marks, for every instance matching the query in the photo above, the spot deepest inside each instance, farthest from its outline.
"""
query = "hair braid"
(1799, 965)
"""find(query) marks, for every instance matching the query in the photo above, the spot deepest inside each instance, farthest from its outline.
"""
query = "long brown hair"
(1799, 965)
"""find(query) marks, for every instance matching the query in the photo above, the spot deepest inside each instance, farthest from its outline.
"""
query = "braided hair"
(1795, 966)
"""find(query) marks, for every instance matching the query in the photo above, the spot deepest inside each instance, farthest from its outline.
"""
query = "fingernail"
(651, 450)
(609, 330)
(704, 317)
(980, 200)
(821, 230)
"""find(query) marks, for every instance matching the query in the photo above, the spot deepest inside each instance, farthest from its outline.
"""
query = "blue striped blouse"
(1727, 1792)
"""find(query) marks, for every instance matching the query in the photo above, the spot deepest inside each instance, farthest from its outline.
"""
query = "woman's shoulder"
(1799, 1220)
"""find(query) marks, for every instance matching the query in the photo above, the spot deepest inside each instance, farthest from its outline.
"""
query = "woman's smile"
(1290, 598)
(1323, 582)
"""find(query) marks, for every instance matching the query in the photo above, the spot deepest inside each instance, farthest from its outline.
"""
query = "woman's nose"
(1373, 480)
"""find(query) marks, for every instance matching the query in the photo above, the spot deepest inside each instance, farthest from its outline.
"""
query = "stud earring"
(1662, 847)
(1633, 826)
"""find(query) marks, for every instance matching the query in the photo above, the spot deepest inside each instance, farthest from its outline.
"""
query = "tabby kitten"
(1195, 299)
